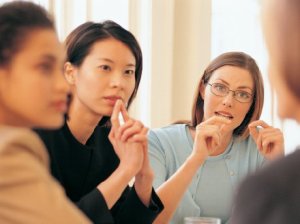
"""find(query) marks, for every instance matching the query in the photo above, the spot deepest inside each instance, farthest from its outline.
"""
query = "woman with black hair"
(93, 158)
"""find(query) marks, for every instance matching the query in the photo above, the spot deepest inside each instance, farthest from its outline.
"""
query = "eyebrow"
(48, 57)
(111, 61)
(240, 87)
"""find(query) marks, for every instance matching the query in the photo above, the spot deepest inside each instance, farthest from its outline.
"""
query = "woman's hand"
(208, 136)
(128, 139)
(125, 140)
(144, 178)
(130, 153)
(269, 140)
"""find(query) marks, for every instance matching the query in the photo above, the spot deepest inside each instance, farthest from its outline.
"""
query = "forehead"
(234, 76)
(42, 42)
(270, 25)
(113, 49)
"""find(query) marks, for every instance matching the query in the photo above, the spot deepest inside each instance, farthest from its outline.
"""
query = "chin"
(54, 123)
(106, 113)
(286, 114)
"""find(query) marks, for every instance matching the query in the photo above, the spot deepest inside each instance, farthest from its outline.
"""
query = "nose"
(116, 80)
(228, 99)
(61, 83)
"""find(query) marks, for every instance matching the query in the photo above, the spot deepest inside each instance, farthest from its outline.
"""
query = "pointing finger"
(259, 123)
(115, 115)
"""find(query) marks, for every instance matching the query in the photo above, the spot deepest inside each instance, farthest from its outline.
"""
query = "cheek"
(284, 108)
(241, 113)
(286, 102)
(91, 84)
(89, 79)
(129, 88)
(244, 113)
(210, 104)
(285, 99)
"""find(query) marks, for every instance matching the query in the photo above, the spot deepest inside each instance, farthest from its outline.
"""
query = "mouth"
(61, 106)
(111, 100)
(224, 114)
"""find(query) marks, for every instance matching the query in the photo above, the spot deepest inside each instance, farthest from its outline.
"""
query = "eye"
(105, 67)
(45, 68)
(243, 94)
(220, 87)
(130, 72)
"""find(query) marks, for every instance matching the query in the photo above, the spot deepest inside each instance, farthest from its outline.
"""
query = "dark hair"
(241, 60)
(80, 41)
(17, 19)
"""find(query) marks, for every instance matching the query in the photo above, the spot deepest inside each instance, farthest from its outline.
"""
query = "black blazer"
(80, 168)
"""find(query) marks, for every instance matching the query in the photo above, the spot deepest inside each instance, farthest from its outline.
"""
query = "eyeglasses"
(219, 89)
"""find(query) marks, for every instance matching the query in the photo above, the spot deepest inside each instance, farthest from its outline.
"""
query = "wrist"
(126, 172)
(144, 179)
(195, 160)
(143, 190)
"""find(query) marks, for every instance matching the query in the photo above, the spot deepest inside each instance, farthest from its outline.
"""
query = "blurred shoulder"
(276, 190)
(15, 138)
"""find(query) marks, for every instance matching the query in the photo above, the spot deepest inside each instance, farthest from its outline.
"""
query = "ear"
(202, 90)
(70, 73)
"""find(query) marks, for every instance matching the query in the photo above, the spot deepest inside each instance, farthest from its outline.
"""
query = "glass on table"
(201, 220)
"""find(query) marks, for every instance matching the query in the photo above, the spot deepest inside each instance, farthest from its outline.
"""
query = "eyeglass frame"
(229, 90)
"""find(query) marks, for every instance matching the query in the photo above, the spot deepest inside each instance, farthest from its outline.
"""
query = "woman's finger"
(115, 115)
(124, 112)
(136, 128)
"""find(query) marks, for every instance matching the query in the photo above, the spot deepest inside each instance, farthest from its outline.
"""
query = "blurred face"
(288, 105)
(33, 91)
(106, 75)
(236, 79)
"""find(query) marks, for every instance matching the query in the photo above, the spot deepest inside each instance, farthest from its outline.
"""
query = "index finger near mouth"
(124, 112)
(218, 120)
(115, 114)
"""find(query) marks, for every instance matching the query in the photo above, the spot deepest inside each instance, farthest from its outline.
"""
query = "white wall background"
(178, 39)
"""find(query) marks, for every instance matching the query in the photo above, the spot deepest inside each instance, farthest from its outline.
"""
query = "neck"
(82, 121)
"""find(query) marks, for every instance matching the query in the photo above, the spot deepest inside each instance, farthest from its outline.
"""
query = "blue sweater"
(212, 188)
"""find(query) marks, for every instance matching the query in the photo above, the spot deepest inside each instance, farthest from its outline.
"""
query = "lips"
(224, 114)
(111, 100)
(60, 106)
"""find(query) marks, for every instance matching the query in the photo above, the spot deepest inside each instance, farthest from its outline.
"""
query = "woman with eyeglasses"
(198, 164)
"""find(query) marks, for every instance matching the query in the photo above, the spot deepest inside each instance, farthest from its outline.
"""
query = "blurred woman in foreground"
(272, 196)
